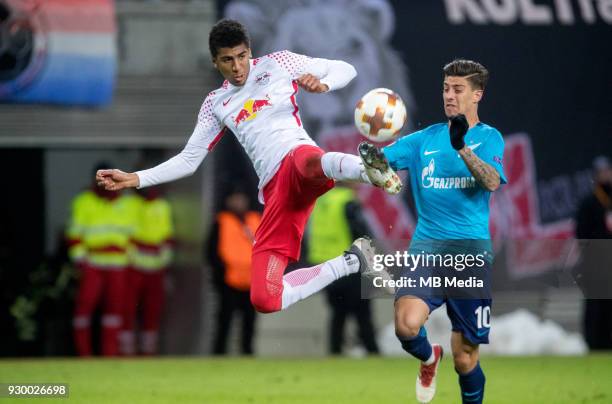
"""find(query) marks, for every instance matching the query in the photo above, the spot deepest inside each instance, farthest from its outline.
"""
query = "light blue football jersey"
(450, 204)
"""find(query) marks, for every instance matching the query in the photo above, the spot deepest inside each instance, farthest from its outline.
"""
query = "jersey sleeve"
(334, 73)
(492, 152)
(207, 133)
(403, 151)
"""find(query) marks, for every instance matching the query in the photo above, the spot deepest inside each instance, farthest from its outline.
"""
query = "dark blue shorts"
(471, 316)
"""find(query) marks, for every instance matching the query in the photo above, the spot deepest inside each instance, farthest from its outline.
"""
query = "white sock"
(344, 167)
(303, 282)
(431, 359)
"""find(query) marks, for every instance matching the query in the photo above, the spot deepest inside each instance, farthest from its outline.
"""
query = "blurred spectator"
(594, 222)
(151, 254)
(335, 222)
(229, 253)
(594, 219)
(99, 232)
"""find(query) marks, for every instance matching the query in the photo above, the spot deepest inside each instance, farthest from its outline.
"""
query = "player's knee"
(406, 326)
(464, 361)
(264, 303)
(311, 168)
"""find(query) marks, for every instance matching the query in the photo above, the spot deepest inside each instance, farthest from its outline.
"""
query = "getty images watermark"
(457, 275)
(462, 268)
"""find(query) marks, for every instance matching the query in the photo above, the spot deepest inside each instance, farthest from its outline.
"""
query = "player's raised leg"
(467, 366)
(344, 167)
(300, 284)
(348, 167)
(315, 165)
(272, 291)
(410, 315)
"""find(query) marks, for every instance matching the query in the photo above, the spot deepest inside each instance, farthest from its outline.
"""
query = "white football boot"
(377, 169)
(426, 380)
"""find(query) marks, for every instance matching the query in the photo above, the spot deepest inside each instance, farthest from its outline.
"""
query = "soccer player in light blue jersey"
(453, 168)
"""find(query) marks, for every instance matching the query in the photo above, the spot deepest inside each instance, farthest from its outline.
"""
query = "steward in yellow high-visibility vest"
(101, 226)
(329, 231)
(335, 221)
(100, 229)
(153, 239)
(151, 255)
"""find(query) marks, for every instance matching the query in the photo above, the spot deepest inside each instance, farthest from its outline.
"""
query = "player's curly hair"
(474, 72)
(227, 34)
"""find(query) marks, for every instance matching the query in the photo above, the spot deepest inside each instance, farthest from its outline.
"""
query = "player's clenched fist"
(458, 128)
(312, 84)
(115, 180)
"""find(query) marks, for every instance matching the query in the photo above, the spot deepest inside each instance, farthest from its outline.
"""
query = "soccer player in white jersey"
(257, 102)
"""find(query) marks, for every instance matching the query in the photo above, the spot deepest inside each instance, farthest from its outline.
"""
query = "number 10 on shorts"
(483, 316)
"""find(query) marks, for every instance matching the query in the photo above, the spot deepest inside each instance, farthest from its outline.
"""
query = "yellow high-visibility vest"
(152, 248)
(329, 233)
(100, 229)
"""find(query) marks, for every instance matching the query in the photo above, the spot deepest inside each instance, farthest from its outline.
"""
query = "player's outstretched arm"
(206, 134)
(485, 174)
(116, 180)
(182, 165)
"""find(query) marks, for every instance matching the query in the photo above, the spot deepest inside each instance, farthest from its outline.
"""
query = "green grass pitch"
(377, 380)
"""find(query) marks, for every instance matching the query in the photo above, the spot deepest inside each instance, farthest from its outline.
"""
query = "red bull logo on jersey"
(250, 109)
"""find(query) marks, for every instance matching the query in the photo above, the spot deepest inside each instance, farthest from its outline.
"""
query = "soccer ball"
(380, 115)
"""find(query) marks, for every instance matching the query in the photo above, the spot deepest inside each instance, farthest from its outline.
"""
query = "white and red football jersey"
(263, 115)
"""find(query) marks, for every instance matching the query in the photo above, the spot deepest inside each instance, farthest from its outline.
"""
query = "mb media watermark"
(428, 282)
(403, 273)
